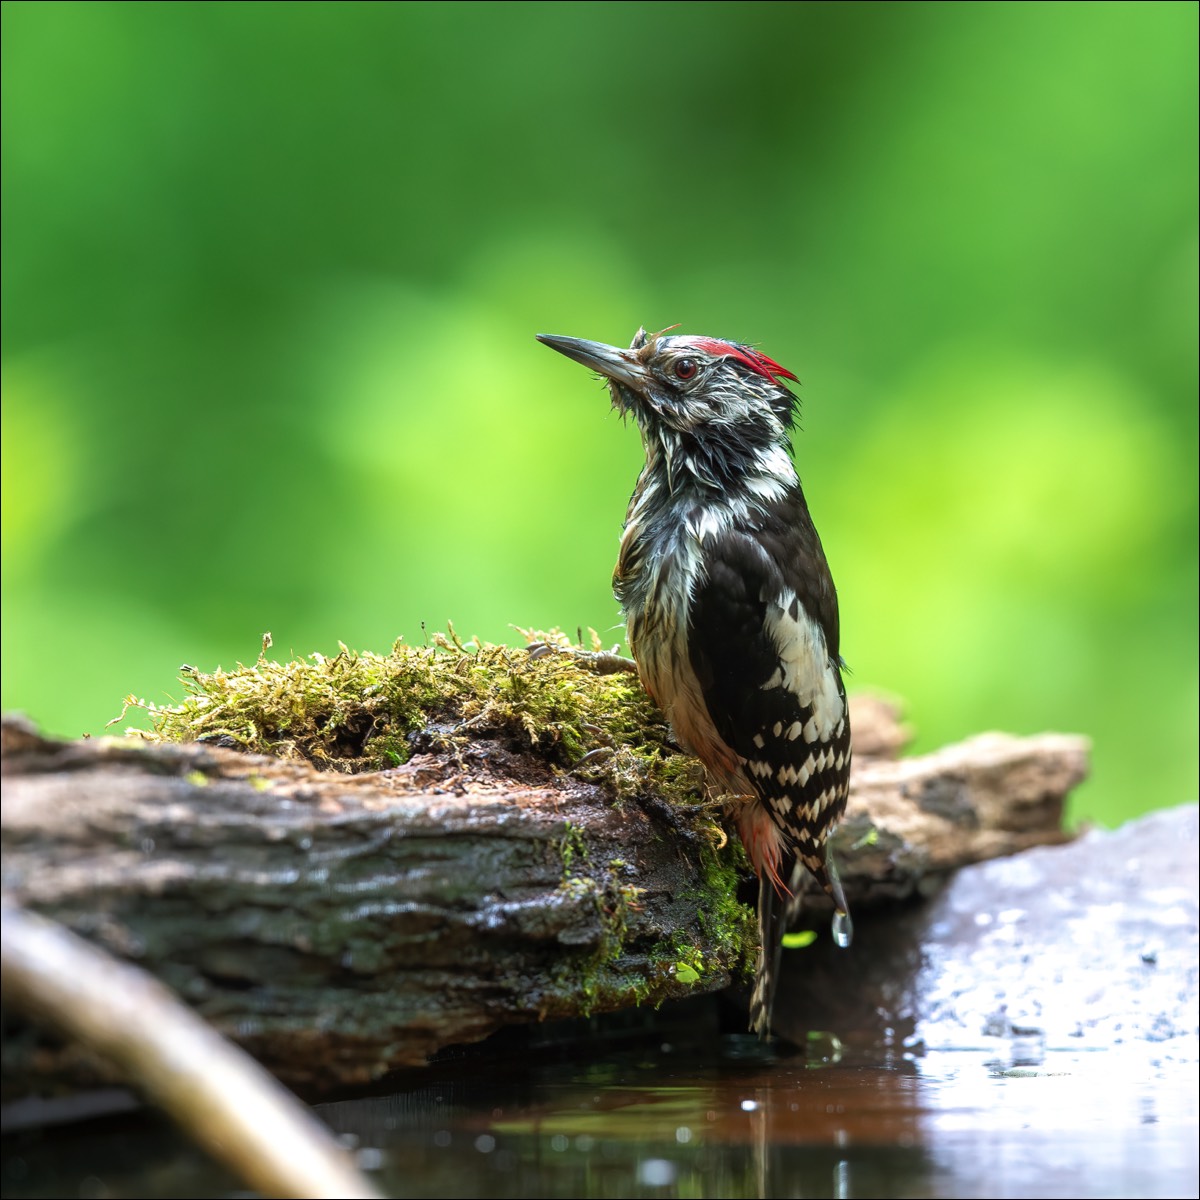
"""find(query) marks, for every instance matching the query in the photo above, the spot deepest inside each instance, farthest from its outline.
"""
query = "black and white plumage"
(732, 613)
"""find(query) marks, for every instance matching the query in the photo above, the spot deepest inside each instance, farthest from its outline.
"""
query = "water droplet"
(843, 929)
(657, 1172)
(369, 1158)
(822, 1048)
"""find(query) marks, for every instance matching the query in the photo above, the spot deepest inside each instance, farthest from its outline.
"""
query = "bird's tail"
(772, 925)
(776, 914)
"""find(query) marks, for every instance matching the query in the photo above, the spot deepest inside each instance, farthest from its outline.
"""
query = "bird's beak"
(621, 366)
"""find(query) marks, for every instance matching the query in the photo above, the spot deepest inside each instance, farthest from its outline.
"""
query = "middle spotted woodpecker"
(731, 610)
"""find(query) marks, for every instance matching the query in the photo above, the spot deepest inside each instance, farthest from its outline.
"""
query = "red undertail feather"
(761, 839)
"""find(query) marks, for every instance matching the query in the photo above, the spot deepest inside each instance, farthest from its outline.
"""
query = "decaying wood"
(340, 926)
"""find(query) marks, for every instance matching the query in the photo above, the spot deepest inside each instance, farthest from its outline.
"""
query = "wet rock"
(1091, 945)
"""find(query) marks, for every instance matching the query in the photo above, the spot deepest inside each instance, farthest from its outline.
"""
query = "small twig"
(217, 1094)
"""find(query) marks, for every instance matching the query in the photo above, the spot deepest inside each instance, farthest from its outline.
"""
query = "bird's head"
(715, 405)
(688, 384)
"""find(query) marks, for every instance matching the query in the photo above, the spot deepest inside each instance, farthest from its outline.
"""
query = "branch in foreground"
(130, 1019)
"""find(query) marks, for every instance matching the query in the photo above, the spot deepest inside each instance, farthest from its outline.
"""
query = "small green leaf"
(800, 939)
(868, 839)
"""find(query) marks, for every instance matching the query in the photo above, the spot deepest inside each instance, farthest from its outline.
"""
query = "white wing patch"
(804, 667)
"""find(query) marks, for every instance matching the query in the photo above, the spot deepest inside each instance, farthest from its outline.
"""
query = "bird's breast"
(654, 584)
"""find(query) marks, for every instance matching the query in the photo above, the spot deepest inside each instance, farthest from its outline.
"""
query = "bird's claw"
(603, 662)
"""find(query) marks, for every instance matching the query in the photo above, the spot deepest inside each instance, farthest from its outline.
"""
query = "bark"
(341, 926)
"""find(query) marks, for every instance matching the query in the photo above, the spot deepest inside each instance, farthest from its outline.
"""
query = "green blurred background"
(272, 274)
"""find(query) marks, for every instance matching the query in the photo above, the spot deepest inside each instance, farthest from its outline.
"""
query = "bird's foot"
(603, 662)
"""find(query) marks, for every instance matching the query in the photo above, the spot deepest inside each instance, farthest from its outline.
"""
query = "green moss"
(728, 923)
(724, 940)
(360, 711)
(572, 848)
(599, 979)
(607, 979)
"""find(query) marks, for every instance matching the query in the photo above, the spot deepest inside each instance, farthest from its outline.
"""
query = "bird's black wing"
(763, 645)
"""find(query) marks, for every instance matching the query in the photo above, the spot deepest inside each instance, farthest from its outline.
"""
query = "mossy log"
(339, 926)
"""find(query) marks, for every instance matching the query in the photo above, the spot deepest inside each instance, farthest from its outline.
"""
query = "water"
(842, 928)
(677, 1122)
(682, 1110)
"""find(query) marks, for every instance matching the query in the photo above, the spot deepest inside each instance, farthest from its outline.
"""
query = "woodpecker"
(731, 610)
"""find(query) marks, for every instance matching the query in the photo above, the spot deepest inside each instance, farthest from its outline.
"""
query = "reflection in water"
(728, 1120)
(722, 1126)
(711, 1115)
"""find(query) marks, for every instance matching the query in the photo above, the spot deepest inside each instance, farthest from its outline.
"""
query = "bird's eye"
(685, 368)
